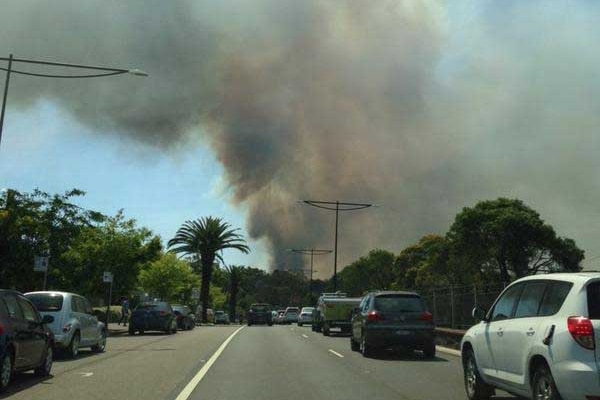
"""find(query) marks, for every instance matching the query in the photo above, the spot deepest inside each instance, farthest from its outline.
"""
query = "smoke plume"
(421, 107)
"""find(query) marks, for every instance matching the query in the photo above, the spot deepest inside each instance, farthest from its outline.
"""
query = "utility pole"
(312, 252)
(336, 206)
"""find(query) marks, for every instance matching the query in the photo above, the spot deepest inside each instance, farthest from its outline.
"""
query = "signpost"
(40, 264)
(107, 277)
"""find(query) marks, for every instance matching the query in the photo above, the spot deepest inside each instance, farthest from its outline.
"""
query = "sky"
(43, 147)
(422, 107)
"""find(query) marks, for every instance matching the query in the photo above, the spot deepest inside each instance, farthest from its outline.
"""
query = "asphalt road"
(259, 362)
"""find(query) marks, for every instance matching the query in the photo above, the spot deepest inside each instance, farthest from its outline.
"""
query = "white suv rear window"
(593, 298)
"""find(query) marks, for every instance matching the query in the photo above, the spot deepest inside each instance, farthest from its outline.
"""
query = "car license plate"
(402, 333)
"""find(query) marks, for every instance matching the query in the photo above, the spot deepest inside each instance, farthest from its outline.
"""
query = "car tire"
(429, 350)
(326, 331)
(543, 385)
(73, 349)
(131, 330)
(270, 324)
(141, 331)
(354, 346)
(6, 371)
(46, 366)
(475, 387)
(101, 345)
(299, 324)
(365, 348)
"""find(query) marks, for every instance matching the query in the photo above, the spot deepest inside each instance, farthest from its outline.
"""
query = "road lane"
(295, 363)
(153, 366)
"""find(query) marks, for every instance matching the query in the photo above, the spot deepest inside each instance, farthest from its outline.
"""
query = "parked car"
(280, 317)
(221, 318)
(227, 319)
(334, 310)
(540, 339)
(210, 317)
(184, 316)
(75, 325)
(260, 313)
(386, 319)
(26, 342)
(291, 315)
(305, 316)
(153, 316)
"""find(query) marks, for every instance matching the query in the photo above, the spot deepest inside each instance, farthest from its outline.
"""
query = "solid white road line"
(189, 388)
(304, 336)
(336, 353)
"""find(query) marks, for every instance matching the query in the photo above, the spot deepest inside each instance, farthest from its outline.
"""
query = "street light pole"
(10, 59)
(312, 252)
(104, 71)
(336, 206)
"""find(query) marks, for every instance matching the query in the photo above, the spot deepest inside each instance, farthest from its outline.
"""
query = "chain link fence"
(452, 306)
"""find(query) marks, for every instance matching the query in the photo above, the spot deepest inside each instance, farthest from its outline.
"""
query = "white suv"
(538, 340)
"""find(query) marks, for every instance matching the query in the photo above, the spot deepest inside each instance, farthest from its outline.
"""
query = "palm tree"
(234, 275)
(203, 238)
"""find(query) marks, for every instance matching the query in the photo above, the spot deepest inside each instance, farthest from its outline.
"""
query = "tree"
(116, 245)
(234, 276)
(374, 271)
(33, 224)
(423, 265)
(204, 238)
(168, 278)
(507, 236)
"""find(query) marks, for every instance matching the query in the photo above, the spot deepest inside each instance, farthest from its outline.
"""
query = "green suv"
(392, 319)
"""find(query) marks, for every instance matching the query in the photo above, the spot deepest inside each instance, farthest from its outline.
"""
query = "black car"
(260, 313)
(186, 320)
(392, 319)
(25, 341)
(153, 316)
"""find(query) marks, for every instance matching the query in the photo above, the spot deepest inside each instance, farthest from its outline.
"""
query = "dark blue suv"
(25, 340)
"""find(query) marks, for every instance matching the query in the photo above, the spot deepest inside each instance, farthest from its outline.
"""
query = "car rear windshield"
(398, 303)
(148, 307)
(219, 313)
(46, 301)
(259, 307)
(593, 298)
(292, 310)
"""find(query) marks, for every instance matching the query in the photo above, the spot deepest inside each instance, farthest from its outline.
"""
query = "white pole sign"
(40, 264)
(107, 277)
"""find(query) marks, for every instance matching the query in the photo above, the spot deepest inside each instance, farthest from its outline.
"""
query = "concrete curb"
(446, 350)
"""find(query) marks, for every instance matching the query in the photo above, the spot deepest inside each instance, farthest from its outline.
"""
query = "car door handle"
(530, 333)
(500, 333)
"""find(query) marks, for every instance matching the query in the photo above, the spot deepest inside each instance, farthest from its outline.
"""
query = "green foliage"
(202, 240)
(423, 265)
(375, 271)
(168, 278)
(509, 237)
(116, 245)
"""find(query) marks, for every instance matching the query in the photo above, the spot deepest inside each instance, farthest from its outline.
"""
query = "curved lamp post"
(101, 71)
(336, 206)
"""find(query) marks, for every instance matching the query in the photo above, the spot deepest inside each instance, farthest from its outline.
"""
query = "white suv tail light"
(582, 331)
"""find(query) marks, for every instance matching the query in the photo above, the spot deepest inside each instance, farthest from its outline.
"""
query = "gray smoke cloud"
(422, 107)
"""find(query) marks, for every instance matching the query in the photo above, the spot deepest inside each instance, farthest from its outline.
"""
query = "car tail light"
(67, 328)
(162, 313)
(1, 329)
(582, 331)
(426, 316)
(374, 316)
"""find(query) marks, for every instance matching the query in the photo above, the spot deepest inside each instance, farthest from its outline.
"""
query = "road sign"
(40, 264)
(107, 277)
